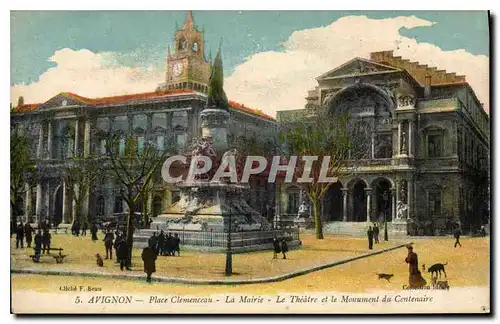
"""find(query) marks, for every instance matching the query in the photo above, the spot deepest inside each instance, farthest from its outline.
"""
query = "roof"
(137, 97)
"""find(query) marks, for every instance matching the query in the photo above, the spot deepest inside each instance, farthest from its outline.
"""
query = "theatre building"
(428, 168)
(70, 125)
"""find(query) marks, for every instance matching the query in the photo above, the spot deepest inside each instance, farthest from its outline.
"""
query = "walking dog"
(437, 268)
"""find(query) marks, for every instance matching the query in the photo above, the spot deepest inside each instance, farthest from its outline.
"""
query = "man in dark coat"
(177, 244)
(170, 244)
(376, 232)
(28, 233)
(93, 231)
(116, 245)
(415, 278)
(161, 242)
(108, 244)
(370, 238)
(38, 245)
(457, 236)
(123, 255)
(284, 247)
(84, 228)
(153, 241)
(20, 235)
(276, 248)
(149, 258)
(46, 238)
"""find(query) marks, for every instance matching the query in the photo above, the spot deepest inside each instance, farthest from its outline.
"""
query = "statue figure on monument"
(303, 210)
(400, 210)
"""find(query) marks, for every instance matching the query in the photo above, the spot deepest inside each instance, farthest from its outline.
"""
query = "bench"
(58, 257)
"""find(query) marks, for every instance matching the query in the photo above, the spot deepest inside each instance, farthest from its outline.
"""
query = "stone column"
(74, 207)
(47, 202)
(27, 203)
(393, 208)
(399, 138)
(86, 139)
(368, 192)
(38, 202)
(77, 138)
(65, 215)
(344, 206)
(49, 140)
(373, 145)
(410, 138)
(397, 199)
(39, 151)
(409, 190)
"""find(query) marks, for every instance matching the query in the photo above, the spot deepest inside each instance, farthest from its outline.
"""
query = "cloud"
(275, 81)
(90, 75)
(270, 81)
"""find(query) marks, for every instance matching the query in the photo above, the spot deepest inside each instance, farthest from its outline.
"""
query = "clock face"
(195, 47)
(178, 69)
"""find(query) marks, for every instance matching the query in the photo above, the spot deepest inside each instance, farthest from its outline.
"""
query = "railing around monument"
(218, 238)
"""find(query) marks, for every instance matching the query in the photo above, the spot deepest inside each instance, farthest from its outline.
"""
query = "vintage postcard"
(250, 162)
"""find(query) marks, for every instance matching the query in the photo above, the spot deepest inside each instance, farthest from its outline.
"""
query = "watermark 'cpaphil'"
(200, 167)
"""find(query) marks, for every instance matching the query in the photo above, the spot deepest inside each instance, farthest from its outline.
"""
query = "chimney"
(427, 86)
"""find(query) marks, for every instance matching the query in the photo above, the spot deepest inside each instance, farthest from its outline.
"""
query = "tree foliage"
(341, 137)
(134, 168)
(22, 171)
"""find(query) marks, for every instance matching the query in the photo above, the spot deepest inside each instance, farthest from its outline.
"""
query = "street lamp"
(229, 252)
(386, 198)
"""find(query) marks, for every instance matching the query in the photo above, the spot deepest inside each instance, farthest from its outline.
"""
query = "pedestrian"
(46, 238)
(284, 247)
(93, 231)
(149, 257)
(177, 244)
(161, 242)
(170, 245)
(457, 234)
(20, 236)
(123, 255)
(277, 248)
(84, 228)
(116, 245)
(77, 228)
(108, 244)
(38, 246)
(370, 238)
(415, 279)
(376, 232)
(153, 241)
(28, 233)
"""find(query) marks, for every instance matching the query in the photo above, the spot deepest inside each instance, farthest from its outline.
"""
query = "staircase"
(359, 229)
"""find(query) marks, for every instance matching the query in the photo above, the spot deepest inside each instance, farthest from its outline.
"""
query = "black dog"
(437, 268)
(385, 276)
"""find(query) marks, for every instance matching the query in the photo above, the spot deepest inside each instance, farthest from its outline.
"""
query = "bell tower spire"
(189, 23)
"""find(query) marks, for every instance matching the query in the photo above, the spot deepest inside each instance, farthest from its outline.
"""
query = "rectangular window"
(102, 147)
(434, 203)
(140, 144)
(435, 145)
(160, 143)
(180, 140)
(179, 119)
(121, 146)
(293, 203)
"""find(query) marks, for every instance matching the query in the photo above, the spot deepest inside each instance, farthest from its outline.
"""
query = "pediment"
(355, 67)
(62, 100)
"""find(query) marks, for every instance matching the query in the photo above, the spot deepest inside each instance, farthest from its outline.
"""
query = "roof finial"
(189, 24)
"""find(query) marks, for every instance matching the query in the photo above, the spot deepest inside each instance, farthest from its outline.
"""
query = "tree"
(22, 171)
(133, 167)
(340, 137)
(79, 175)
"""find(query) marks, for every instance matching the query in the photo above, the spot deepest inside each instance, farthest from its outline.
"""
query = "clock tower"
(187, 67)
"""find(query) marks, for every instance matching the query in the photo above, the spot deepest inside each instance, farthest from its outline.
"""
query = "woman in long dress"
(415, 278)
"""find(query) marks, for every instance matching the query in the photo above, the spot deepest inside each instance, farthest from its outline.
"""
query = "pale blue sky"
(35, 36)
